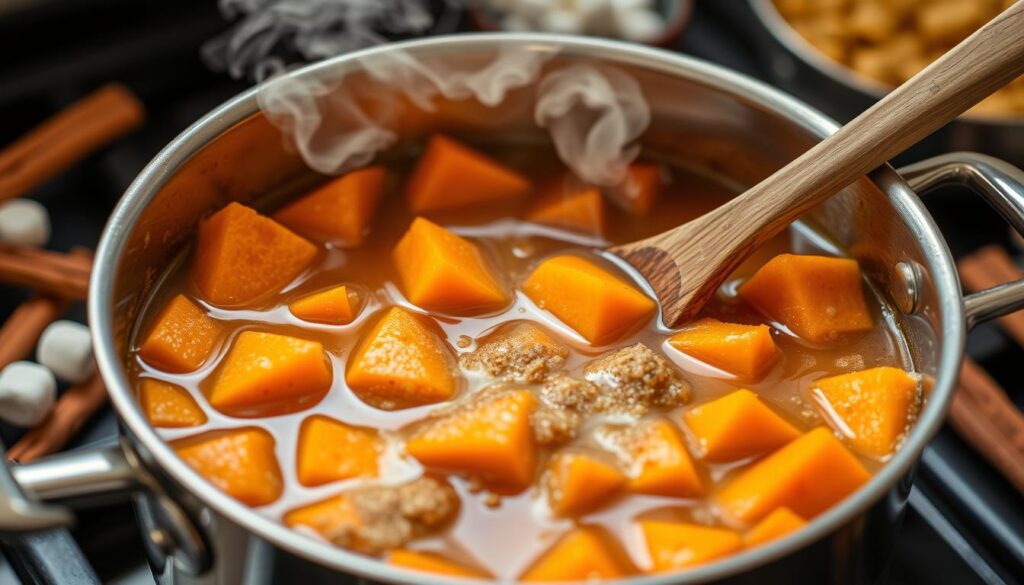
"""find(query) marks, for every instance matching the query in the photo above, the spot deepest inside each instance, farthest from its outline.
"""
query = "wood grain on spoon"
(687, 264)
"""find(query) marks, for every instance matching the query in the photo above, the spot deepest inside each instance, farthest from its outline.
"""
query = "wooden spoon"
(687, 264)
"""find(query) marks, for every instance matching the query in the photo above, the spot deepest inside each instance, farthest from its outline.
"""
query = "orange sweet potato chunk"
(640, 189)
(775, 525)
(581, 211)
(241, 462)
(808, 476)
(330, 450)
(678, 545)
(181, 339)
(330, 307)
(441, 271)
(339, 212)
(598, 305)
(746, 351)
(490, 438)
(737, 426)
(266, 373)
(334, 515)
(585, 554)
(431, 562)
(169, 406)
(818, 298)
(402, 362)
(450, 175)
(872, 408)
(241, 255)
(666, 468)
(579, 483)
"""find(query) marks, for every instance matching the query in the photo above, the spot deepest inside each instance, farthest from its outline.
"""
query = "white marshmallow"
(640, 25)
(27, 393)
(562, 21)
(24, 222)
(66, 348)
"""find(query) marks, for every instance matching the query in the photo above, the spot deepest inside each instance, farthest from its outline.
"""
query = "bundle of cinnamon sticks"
(57, 279)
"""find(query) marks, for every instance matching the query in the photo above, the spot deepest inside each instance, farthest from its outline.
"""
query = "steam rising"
(594, 116)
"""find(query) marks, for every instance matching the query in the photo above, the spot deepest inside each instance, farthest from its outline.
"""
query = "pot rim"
(139, 194)
(801, 48)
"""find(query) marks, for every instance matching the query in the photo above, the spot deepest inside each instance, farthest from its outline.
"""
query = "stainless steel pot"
(703, 115)
(798, 67)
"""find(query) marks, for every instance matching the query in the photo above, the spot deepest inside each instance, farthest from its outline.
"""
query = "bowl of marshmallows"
(651, 22)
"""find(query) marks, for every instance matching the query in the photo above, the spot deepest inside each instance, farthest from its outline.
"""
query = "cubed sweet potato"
(585, 554)
(330, 307)
(678, 545)
(597, 304)
(241, 462)
(580, 211)
(241, 256)
(779, 523)
(169, 406)
(808, 476)
(431, 562)
(450, 175)
(441, 271)
(818, 298)
(182, 337)
(641, 188)
(266, 373)
(338, 212)
(330, 450)
(489, 438)
(579, 483)
(736, 426)
(402, 362)
(746, 351)
(872, 408)
(666, 468)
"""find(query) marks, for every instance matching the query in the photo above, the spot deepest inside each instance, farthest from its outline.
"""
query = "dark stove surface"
(965, 523)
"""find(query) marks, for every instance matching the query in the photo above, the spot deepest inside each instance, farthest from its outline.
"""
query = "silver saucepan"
(703, 115)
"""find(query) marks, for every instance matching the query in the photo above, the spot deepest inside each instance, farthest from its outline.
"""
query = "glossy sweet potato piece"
(578, 483)
(450, 175)
(585, 554)
(775, 525)
(808, 476)
(241, 462)
(330, 450)
(181, 339)
(431, 562)
(597, 304)
(330, 307)
(489, 438)
(241, 256)
(736, 426)
(338, 212)
(746, 351)
(169, 406)
(818, 298)
(581, 211)
(401, 362)
(266, 373)
(640, 189)
(872, 408)
(677, 545)
(441, 271)
(666, 468)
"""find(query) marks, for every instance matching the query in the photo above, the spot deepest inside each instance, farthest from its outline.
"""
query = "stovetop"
(965, 523)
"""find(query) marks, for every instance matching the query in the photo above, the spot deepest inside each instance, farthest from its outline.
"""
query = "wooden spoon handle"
(687, 264)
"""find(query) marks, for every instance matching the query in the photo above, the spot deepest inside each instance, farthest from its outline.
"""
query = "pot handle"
(1002, 186)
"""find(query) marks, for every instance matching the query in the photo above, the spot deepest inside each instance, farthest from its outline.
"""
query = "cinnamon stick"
(991, 266)
(984, 416)
(63, 275)
(19, 334)
(64, 139)
(73, 409)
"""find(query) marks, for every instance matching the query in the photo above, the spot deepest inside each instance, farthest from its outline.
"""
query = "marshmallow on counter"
(24, 222)
(27, 393)
(66, 348)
